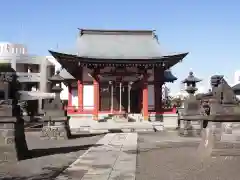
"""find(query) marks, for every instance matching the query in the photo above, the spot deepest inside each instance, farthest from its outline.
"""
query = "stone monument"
(13, 146)
(222, 133)
(191, 107)
(55, 114)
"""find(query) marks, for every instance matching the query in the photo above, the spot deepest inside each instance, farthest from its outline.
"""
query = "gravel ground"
(163, 157)
(51, 157)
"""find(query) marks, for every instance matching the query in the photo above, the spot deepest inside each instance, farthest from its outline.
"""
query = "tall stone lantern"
(55, 114)
(191, 106)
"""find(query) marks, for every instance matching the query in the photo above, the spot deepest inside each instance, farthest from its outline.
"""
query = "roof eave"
(177, 57)
(236, 87)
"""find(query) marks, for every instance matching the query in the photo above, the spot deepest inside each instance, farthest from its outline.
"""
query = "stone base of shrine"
(220, 139)
(84, 123)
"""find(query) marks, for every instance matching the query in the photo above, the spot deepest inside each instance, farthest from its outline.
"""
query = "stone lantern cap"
(191, 79)
(56, 78)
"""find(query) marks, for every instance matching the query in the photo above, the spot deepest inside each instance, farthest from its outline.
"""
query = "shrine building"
(116, 72)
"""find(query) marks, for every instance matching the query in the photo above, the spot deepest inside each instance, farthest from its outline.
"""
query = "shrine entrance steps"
(118, 123)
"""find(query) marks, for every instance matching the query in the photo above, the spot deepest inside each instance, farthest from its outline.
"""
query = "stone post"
(13, 146)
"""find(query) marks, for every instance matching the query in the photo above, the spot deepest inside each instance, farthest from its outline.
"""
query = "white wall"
(88, 94)
(236, 77)
(88, 97)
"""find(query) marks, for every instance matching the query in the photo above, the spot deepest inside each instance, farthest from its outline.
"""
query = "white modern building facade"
(32, 71)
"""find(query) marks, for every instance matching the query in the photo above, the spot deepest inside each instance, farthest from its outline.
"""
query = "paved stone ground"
(169, 157)
(113, 159)
(51, 157)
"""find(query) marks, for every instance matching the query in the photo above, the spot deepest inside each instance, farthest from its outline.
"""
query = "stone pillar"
(145, 97)
(13, 143)
(13, 146)
(96, 94)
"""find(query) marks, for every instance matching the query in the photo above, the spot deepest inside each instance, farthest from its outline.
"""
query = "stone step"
(225, 152)
(125, 125)
(227, 145)
(230, 137)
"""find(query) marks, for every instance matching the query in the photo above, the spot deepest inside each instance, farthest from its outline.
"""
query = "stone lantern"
(191, 106)
(55, 114)
(56, 81)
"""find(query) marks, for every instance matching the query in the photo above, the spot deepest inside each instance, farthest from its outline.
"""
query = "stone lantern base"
(56, 129)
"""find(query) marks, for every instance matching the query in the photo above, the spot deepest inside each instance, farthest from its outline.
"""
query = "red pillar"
(69, 95)
(145, 97)
(158, 82)
(96, 94)
(80, 91)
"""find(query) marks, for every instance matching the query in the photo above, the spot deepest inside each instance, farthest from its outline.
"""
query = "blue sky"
(208, 29)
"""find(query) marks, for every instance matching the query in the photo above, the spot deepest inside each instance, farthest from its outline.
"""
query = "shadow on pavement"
(51, 174)
(34, 153)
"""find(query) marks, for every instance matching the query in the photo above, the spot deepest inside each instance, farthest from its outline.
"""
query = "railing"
(28, 77)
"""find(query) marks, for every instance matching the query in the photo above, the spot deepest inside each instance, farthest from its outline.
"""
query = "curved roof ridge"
(116, 31)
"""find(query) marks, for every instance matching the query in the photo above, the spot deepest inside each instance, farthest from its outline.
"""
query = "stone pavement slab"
(165, 157)
(113, 157)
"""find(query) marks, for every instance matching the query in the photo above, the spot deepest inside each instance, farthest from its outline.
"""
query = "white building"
(32, 71)
(237, 77)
